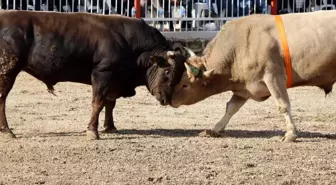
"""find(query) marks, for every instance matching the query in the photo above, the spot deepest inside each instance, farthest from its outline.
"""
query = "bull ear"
(157, 60)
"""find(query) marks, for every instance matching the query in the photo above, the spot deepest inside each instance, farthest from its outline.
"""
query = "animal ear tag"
(195, 71)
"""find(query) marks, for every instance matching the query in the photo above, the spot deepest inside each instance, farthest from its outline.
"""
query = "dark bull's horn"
(191, 53)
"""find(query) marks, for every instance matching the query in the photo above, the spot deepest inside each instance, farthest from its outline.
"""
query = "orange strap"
(285, 49)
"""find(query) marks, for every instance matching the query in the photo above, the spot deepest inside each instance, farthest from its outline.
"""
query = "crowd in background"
(232, 7)
(227, 8)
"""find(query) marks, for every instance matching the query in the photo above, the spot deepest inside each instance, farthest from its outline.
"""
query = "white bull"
(247, 58)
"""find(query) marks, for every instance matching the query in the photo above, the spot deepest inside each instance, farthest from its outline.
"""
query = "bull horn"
(191, 53)
(191, 70)
(208, 73)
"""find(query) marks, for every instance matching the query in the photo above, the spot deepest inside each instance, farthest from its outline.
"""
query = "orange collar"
(285, 49)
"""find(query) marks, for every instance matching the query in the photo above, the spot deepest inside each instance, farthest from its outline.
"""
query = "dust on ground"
(160, 145)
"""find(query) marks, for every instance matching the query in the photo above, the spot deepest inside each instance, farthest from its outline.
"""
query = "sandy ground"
(160, 145)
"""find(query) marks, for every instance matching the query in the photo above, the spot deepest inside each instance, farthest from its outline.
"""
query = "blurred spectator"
(37, 6)
(330, 2)
(73, 4)
(284, 6)
(235, 8)
(9, 4)
(165, 7)
(161, 7)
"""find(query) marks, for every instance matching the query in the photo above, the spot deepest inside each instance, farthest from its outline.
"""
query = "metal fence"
(188, 18)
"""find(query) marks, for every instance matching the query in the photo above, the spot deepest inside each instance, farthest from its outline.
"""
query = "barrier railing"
(187, 17)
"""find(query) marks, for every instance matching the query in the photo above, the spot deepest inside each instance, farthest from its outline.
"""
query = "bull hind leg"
(9, 69)
(277, 88)
(232, 107)
(6, 84)
(109, 122)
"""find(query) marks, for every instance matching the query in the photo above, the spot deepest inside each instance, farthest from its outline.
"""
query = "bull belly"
(257, 91)
(316, 77)
(53, 77)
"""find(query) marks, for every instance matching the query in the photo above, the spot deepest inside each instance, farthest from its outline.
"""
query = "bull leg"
(232, 107)
(9, 69)
(6, 84)
(277, 88)
(97, 106)
(109, 122)
(99, 91)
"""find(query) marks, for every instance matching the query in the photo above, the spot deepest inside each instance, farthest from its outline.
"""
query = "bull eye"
(184, 86)
(167, 73)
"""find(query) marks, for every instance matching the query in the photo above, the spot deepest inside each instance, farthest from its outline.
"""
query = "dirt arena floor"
(160, 145)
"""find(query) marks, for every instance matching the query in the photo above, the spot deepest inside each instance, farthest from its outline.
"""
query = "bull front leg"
(100, 86)
(109, 122)
(110, 104)
(277, 87)
(232, 107)
(97, 106)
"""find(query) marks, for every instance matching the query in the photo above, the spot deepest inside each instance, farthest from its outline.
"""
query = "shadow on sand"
(132, 133)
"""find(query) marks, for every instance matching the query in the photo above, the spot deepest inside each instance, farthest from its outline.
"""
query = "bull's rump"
(312, 45)
(311, 40)
(57, 47)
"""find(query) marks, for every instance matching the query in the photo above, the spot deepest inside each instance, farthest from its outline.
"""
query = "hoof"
(7, 135)
(91, 135)
(289, 137)
(209, 133)
(110, 130)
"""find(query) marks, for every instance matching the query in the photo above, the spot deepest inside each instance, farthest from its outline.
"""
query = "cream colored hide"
(246, 58)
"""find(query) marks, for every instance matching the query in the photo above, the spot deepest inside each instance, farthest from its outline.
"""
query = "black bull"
(114, 54)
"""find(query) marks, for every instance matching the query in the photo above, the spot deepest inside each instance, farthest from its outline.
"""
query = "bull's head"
(194, 84)
(166, 72)
(197, 72)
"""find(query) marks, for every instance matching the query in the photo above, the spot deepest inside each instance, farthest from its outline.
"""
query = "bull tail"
(51, 90)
